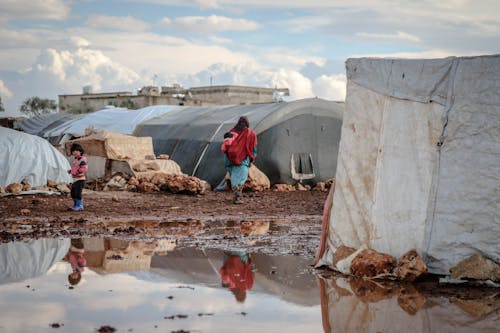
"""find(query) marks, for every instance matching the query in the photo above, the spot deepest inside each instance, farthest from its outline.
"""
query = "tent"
(419, 160)
(304, 133)
(28, 156)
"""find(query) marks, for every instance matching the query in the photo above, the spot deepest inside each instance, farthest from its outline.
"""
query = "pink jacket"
(79, 168)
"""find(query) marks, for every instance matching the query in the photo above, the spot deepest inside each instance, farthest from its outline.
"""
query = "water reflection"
(357, 305)
(76, 258)
(153, 286)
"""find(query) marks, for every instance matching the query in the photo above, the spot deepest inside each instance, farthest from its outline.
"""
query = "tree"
(2, 109)
(35, 106)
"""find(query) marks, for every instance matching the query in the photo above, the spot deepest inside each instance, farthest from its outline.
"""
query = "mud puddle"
(232, 277)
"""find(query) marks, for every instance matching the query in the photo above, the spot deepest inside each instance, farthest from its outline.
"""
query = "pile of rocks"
(320, 186)
(368, 263)
(17, 188)
(157, 182)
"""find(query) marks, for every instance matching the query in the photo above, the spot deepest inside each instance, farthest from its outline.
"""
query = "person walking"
(241, 152)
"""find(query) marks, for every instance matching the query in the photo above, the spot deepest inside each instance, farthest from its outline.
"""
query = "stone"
(40, 188)
(370, 263)
(63, 188)
(329, 183)
(147, 187)
(14, 188)
(283, 188)
(51, 183)
(257, 180)
(150, 157)
(164, 157)
(2, 190)
(320, 186)
(133, 181)
(410, 266)
(25, 211)
(27, 187)
(341, 253)
(116, 183)
(300, 187)
(476, 267)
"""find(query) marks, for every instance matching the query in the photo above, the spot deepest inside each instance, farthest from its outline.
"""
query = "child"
(77, 260)
(78, 171)
(228, 140)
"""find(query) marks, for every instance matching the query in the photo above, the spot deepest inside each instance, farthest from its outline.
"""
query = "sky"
(53, 47)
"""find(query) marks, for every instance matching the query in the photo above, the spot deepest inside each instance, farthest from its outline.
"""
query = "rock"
(25, 211)
(164, 157)
(51, 183)
(370, 263)
(27, 187)
(133, 181)
(147, 187)
(150, 157)
(283, 188)
(320, 186)
(300, 187)
(25, 181)
(14, 188)
(476, 267)
(410, 300)
(341, 253)
(131, 188)
(184, 184)
(344, 265)
(63, 188)
(329, 183)
(410, 266)
(40, 188)
(116, 183)
(2, 190)
(257, 181)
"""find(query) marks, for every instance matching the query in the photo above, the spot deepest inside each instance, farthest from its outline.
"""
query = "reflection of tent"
(24, 260)
(305, 131)
(357, 305)
(28, 156)
(419, 160)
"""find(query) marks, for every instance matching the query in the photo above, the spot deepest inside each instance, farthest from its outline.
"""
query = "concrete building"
(169, 95)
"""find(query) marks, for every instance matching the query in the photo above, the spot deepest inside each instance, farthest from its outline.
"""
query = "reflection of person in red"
(236, 273)
(77, 260)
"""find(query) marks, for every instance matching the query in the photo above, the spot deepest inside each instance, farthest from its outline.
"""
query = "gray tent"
(303, 134)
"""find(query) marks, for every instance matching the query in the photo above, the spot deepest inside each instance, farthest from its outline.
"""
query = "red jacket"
(242, 146)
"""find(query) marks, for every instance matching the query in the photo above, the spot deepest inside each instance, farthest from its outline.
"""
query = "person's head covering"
(76, 146)
(242, 124)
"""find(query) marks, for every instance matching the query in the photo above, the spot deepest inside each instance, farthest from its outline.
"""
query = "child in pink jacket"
(78, 171)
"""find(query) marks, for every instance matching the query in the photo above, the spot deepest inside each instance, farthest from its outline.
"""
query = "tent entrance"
(302, 166)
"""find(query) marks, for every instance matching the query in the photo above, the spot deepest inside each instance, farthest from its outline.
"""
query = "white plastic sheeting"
(27, 156)
(25, 260)
(118, 120)
(419, 160)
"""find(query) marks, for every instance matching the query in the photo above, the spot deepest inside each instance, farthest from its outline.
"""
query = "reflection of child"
(77, 260)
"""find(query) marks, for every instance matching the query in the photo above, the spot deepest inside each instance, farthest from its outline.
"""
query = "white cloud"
(428, 54)
(33, 9)
(332, 87)
(209, 24)
(122, 23)
(299, 85)
(4, 90)
(399, 35)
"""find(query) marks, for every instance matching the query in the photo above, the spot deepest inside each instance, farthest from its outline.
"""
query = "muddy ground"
(210, 217)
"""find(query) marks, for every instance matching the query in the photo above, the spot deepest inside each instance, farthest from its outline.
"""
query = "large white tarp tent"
(31, 157)
(419, 160)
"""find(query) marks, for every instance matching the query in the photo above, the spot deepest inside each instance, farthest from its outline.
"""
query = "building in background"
(169, 95)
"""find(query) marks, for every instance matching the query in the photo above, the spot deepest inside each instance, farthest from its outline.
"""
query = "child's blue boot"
(78, 205)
